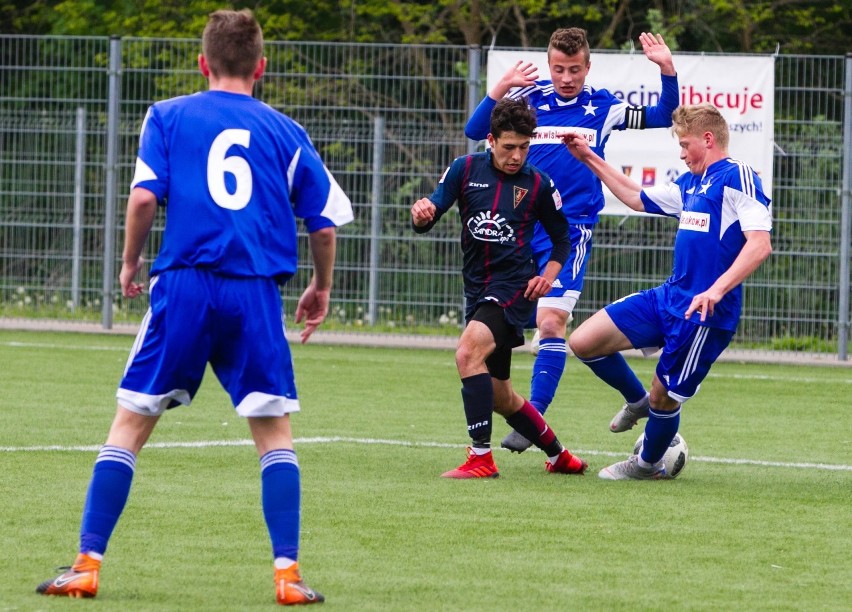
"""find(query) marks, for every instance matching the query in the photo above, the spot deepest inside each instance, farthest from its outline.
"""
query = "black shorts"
(507, 337)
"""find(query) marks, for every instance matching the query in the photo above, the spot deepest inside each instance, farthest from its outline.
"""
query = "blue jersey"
(499, 212)
(233, 174)
(593, 114)
(714, 210)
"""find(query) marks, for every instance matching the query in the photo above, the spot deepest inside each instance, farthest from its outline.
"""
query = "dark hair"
(513, 116)
(569, 41)
(232, 43)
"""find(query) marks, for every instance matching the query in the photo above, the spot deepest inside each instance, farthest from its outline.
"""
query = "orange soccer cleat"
(476, 466)
(290, 590)
(566, 463)
(79, 580)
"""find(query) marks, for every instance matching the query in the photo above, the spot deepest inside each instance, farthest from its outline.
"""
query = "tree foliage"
(732, 26)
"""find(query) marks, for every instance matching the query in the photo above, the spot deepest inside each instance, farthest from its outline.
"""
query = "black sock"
(478, 398)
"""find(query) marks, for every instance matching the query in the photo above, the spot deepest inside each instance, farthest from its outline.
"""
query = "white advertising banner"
(742, 87)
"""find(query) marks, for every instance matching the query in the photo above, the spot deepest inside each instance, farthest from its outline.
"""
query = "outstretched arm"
(313, 305)
(659, 115)
(522, 74)
(756, 249)
(656, 50)
(621, 187)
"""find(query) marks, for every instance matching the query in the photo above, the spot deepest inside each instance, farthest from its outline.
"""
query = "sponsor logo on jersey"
(488, 228)
(520, 192)
(695, 221)
(544, 107)
(472, 184)
(552, 134)
(557, 199)
(649, 177)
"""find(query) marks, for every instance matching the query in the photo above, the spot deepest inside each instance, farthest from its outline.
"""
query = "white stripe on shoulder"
(746, 177)
(291, 169)
(338, 207)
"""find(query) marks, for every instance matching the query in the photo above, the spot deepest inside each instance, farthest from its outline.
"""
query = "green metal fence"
(387, 119)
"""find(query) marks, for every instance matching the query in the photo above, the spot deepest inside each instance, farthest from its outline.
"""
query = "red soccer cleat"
(290, 590)
(80, 580)
(566, 463)
(476, 466)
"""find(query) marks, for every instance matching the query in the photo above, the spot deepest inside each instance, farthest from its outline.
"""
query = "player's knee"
(582, 344)
(553, 326)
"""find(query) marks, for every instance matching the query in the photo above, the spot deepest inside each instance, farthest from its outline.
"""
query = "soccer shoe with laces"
(476, 466)
(79, 580)
(566, 463)
(290, 589)
(626, 418)
(629, 469)
(515, 442)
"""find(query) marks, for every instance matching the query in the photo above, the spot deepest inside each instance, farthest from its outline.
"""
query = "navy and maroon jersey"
(498, 214)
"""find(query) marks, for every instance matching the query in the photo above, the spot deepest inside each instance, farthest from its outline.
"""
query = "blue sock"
(107, 495)
(615, 372)
(280, 495)
(660, 430)
(547, 371)
(478, 399)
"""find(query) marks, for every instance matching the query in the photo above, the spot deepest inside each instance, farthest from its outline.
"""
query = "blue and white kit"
(233, 175)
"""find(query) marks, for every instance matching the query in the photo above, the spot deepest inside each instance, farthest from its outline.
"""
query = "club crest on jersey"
(488, 228)
(520, 192)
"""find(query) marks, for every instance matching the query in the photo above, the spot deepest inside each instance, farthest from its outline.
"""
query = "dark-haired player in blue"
(500, 198)
(723, 236)
(233, 175)
(565, 103)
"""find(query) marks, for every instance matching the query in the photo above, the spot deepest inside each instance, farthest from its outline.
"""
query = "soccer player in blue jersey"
(562, 104)
(723, 236)
(500, 198)
(233, 175)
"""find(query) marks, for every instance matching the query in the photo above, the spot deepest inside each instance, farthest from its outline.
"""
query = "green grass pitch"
(758, 520)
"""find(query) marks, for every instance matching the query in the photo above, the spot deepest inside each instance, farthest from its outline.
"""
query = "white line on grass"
(74, 347)
(342, 439)
(765, 377)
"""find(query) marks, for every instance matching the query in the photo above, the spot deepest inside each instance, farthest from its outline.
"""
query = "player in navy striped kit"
(566, 103)
(500, 199)
(723, 236)
(233, 175)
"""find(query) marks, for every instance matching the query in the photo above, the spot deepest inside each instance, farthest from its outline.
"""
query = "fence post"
(376, 215)
(474, 58)
(110, 189)
(845, 217)
(79, 178)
